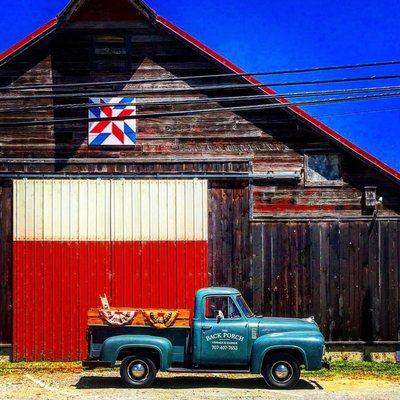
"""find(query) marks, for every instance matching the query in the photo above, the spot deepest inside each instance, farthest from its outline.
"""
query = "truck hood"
(275, 325)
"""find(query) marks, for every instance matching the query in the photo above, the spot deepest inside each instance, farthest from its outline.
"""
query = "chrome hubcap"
(138, 370)
(282, 372)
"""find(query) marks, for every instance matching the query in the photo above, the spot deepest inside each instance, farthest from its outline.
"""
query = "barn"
(267, 200)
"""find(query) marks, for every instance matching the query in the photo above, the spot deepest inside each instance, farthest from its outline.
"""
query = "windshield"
(244, 306)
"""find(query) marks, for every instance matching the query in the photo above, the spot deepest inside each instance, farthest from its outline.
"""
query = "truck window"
(244, 306)
(224, 306)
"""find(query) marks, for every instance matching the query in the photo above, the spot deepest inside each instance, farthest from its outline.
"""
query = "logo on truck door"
(225, 335)
(225, 341)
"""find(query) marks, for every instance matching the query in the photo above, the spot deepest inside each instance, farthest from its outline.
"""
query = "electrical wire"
(199, 111)
(194, 101)
(197, 88)
(193, 77)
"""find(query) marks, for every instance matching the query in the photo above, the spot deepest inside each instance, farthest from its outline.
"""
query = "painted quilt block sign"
(112, 132)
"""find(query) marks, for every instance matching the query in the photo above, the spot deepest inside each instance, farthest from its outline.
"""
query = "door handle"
(206, 327)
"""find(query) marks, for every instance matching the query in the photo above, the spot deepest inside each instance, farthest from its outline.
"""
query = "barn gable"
(129, 10)
(293, 214)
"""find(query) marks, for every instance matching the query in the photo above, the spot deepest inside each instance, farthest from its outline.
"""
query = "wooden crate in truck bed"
(155, 318)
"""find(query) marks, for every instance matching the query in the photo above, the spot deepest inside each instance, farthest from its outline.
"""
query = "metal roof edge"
(33, 37)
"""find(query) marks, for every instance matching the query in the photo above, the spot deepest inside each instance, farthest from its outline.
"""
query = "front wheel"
(281, 371)
(138, 372)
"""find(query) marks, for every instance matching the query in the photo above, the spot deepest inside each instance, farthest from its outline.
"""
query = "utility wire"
(194, 101)
(197, 88)
(200, 111)
(193, 77)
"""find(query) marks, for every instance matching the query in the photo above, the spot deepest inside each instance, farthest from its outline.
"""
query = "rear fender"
(113, 346)
(308, 345)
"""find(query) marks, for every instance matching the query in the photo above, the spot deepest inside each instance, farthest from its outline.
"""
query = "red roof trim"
(324, 129)
(29, 39)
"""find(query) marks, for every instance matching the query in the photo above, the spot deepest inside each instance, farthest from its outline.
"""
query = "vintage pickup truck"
(224, 336)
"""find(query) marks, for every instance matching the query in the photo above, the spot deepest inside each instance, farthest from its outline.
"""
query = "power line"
(200, 111)
(194, 101)
(193, 77)
(199, 88)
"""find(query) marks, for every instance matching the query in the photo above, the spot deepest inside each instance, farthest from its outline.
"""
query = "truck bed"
(179, 336)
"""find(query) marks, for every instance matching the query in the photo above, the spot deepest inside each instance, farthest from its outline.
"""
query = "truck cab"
(224, 335)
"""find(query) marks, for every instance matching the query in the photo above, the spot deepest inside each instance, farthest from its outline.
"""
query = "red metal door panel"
(158, 274)
(55, 284)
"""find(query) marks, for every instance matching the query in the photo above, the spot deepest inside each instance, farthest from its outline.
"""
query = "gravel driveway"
(54, 384)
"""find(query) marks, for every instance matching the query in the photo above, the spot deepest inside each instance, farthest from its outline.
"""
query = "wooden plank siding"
(6, 223)
(228, 242)
(346, 274)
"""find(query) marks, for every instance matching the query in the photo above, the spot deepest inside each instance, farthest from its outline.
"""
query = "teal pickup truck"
(225, 336)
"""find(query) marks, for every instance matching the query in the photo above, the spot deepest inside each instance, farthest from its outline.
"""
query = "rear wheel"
(281, 371)
(138, 372)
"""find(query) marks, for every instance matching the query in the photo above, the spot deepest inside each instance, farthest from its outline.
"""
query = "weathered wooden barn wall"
(345, 273)
(5, 262)
(228, 243)
(314, 265)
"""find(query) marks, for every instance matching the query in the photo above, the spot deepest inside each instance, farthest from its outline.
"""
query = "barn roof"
(167, 25)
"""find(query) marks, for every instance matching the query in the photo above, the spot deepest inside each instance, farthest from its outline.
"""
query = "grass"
(357, 369)
(25, 367)
(338, 368)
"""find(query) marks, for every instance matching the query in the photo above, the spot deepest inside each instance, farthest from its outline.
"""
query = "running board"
(212, 371)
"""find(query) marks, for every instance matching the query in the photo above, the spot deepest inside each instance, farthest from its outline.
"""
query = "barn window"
(110, 53)
(323, 168)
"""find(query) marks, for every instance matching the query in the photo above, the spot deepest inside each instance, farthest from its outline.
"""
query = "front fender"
(115, 344)
(310, 345)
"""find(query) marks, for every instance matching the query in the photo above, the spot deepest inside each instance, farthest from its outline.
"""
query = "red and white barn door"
(144, 243)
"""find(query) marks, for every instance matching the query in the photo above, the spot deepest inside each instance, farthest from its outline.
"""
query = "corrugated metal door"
(143, 243)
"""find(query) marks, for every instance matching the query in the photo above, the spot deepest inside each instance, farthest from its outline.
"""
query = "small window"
(222, 306)
(323, 168)
(110, 53)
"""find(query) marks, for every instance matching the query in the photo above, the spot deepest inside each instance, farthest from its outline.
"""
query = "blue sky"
(273, 35)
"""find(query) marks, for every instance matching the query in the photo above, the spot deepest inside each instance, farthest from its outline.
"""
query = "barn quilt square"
(112, 132)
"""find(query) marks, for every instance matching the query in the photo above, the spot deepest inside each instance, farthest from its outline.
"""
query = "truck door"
(224, 333)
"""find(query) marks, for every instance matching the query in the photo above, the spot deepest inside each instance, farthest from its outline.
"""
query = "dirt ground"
(73, 383)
